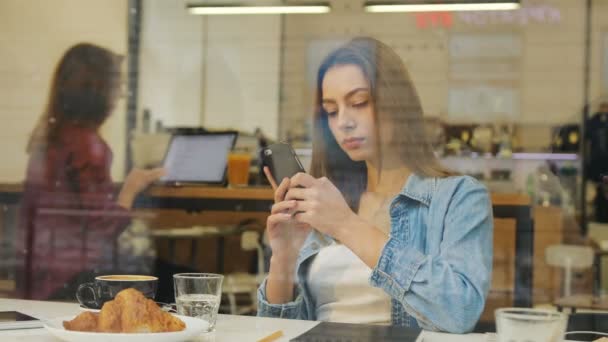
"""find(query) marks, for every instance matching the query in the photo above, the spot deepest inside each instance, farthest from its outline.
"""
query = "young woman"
(69, 219)
(379, 231)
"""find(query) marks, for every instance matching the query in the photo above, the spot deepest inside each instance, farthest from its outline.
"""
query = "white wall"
(33, 36)
(548, 74)
(171, 63)
(219, 72)
(239, 88)
(242, 73)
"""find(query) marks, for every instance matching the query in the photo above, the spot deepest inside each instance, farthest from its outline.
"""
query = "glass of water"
(530, 325)
(198, 295)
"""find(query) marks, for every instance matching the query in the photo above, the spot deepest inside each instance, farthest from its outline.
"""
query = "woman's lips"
(352, 143)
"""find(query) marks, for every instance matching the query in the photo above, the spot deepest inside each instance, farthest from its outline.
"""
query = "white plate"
(84, 308)
(194, 327)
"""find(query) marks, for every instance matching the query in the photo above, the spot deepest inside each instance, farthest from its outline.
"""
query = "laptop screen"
(199, 158)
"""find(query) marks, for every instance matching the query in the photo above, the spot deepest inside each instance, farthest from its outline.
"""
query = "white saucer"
(84, 308)
(194, 327)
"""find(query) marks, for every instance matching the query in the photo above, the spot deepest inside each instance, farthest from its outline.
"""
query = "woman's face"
(347, 103)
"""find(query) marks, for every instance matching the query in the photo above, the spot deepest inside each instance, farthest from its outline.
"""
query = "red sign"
(434, 19)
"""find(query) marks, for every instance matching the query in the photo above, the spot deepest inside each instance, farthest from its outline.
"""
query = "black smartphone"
(10, 320)
(282, 161)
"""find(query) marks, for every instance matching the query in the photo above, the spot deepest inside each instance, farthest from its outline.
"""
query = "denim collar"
(420, 188)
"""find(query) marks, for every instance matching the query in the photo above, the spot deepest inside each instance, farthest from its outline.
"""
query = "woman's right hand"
(285, 235)
(137, 181)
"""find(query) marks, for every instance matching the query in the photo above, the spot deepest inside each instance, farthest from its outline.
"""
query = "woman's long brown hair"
(395, 103)
(83, 91)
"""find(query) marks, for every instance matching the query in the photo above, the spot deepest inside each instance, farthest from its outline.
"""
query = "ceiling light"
(378, 7)
(244, 9)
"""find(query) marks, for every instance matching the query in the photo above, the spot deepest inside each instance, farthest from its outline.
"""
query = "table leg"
(597, 266)
(193, 252)
(221, 244)
(172, 250)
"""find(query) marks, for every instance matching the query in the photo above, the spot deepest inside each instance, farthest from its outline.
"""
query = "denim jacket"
(436, 265)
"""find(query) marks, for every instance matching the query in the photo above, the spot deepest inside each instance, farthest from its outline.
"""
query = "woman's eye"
(330, 111)
(360, 104)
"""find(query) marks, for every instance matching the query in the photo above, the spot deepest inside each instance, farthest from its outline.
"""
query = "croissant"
(129, 312)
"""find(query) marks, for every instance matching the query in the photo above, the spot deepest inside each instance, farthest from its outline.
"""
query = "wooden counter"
(510, 199)
(248, 193)
(11, 187)
(257, 192)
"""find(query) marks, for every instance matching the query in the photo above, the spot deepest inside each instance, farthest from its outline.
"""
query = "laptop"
(198, 158)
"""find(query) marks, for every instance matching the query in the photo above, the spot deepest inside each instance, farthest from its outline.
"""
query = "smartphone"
(282, 161)
(10, 320)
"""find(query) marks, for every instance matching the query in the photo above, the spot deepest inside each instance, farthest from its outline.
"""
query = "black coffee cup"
(106, 287)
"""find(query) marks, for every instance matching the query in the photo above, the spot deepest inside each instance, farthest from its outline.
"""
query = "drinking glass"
(198, 295)
(530, 325)
(239, 161)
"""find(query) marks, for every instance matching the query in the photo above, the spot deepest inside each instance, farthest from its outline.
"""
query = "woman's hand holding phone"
(286, 238)
(285, 235)
(319, 203)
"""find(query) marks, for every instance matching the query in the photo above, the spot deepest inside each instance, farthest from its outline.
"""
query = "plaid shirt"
(69, 219)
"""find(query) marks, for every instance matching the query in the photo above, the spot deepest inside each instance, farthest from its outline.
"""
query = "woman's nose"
(346, 121)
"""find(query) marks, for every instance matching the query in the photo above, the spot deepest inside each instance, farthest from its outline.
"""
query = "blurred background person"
(70, 218)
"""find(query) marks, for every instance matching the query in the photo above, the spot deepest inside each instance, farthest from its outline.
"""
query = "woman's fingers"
(282, 207)
(303, 180)
(302, 225)
(276, 219)
(270, 178)
(155, 174)
(281, 190)
(297, 194)
(302, 217)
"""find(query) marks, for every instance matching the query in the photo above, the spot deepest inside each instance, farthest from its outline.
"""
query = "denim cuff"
(286, 310)
(396, 268)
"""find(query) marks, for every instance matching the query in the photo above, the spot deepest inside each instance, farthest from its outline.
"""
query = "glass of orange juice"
(239, 161)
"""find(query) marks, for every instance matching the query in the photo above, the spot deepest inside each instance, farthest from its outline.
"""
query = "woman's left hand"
(320, 204)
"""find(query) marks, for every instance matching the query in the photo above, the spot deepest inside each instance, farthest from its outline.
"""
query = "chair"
(569, 257)
(572, 257)
(245, 283)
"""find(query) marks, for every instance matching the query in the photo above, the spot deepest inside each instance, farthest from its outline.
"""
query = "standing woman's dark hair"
(397, 110)
(83, 90)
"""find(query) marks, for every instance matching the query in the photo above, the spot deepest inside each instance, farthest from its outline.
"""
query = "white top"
(339, 282)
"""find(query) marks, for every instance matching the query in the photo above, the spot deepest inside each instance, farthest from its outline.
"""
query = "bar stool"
(571, 257)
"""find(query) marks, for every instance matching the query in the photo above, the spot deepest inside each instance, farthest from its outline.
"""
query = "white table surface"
(229, 328)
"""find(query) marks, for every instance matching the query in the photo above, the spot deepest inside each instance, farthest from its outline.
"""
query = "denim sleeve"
(292, 310)
(445, 291)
